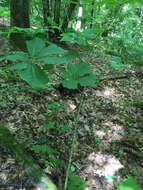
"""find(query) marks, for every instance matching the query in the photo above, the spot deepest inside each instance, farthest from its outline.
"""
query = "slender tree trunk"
(92, 14)
(46, 11)
(69, 15)
(19, 16)
(57, 9)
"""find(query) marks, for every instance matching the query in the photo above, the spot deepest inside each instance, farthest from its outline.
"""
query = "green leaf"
(116, 63)
(35, 46)
(116, 59)
(83, 68)
(18, 56)
(72, 55)
(54, 60)
(68, 39)
(34, 76)
(3, 73)
(54, 49)
(88, 33)
(70, 84)
(72, 70)
(49, 125)
(135, 104)
(19, 66)
(76, 183)
(43, 53)
(64, 127)
(89, 80)
(55, 162)
(2, 58)
(118, 66)
(129, 184)
(44, 149)
(78, 73)
(48, 67)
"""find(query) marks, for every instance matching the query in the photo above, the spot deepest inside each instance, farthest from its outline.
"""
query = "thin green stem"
(73, 140)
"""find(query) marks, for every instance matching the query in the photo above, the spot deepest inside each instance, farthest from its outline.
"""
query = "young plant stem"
(73, 140)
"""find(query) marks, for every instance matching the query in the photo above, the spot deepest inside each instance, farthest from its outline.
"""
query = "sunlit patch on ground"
(101, 170)
(110, 93)
(113, 132)
(71, 105)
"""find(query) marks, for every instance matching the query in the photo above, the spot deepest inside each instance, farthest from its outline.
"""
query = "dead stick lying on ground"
(33, 170)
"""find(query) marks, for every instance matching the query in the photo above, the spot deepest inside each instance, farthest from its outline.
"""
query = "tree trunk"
(92, 14)
(19, 16)
(70, 12)
(57, 8)
(46, 11)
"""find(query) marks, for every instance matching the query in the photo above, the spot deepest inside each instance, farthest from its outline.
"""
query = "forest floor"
(109, 144)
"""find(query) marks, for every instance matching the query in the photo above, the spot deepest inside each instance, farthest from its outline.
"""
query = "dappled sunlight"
(103, 165)
(101, 169)
(110, 93)
(114, 131)
(110, 132)
(71, 105)
(100, 134)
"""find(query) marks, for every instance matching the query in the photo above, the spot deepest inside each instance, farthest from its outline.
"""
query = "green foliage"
(54, 117)
(135, 104)
(54, 163)
(76, 183)
(116, 63)
(4, 11)
(128, 184)
(28, 64)
(80, 38)
(3, 73)
(123, 32)
(79, 73)
(43, 149)
(97, 139)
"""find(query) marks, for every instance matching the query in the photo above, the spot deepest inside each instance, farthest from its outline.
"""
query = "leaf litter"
(109, 138)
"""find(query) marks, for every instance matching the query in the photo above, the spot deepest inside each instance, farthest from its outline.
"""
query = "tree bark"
(92, 14)
(69, 15)
(19, 17)
(19, 13)
(57, 8)
(46, 11)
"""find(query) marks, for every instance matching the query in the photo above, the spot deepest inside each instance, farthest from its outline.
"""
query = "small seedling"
(78, 74)
(97, 139)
